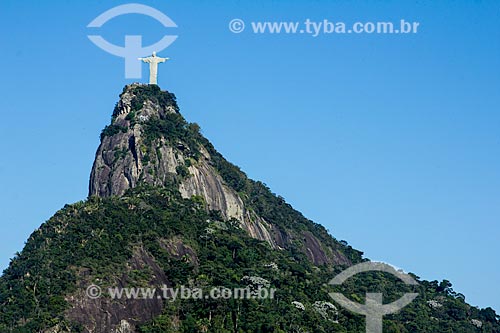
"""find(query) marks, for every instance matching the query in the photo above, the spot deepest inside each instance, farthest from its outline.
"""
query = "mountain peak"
(149, 142)
(146, 99)
(123, 158)
(166, 209)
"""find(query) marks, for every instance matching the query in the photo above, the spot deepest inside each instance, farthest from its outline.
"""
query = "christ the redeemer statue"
(153, 62)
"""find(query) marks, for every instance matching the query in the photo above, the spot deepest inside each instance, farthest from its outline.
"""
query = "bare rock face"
(103, 314)
(128, 156)
(119, 162)
(125, 158)
(149, 143)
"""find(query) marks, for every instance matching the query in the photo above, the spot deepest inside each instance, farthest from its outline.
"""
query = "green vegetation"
(152, 93)
(99, 236)
(182, 171)
(111, 130)
(120, 153)
(173, 128)
(96, 241)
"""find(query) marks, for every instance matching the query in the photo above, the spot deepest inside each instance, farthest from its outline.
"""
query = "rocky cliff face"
(166, 209)
(129, 155)
(119, 162)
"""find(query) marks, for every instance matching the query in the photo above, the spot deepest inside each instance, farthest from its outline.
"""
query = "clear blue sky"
(390, 141)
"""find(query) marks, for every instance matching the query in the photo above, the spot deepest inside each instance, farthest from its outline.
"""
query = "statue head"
(154, 54)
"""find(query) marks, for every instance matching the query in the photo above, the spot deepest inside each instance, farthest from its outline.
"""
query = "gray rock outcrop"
(127, 156)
